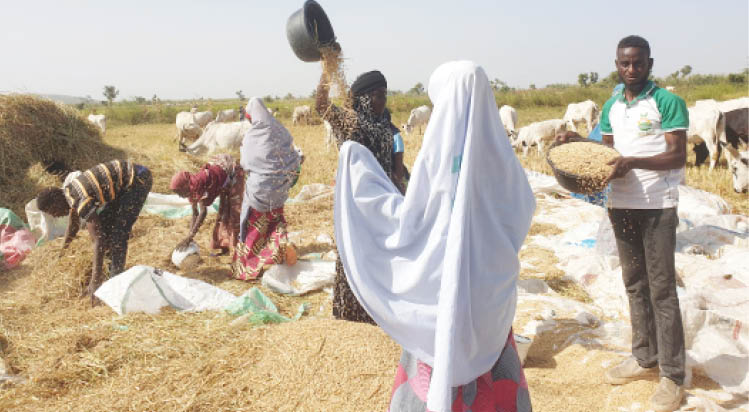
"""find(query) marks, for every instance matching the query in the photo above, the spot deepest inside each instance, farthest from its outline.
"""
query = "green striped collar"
(646, 91)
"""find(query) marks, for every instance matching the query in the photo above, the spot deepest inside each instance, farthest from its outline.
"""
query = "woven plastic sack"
(44, 226)
(146, 289)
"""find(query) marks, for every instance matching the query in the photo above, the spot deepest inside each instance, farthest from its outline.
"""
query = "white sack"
(146, 289)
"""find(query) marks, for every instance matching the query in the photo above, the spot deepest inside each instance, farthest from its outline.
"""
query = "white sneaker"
(627, 371)
(667, 396)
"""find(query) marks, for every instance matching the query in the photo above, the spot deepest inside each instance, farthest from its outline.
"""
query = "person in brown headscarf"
(363, 119)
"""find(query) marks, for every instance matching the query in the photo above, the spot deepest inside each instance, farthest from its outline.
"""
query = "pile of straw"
(36, 133)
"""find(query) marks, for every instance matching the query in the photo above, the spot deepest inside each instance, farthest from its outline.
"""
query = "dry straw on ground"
(82, 358)
(36, 133)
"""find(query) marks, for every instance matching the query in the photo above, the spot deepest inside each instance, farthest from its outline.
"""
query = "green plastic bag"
(8, 218)
(260, 308)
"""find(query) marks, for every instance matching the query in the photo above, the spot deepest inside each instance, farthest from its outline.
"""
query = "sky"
(190, 49)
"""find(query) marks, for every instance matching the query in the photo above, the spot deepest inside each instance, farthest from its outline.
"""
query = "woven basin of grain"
(582, 166)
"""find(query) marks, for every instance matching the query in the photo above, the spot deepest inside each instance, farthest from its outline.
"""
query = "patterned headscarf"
(375, 127)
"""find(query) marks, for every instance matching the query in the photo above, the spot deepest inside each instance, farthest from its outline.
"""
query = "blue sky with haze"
(189, 49)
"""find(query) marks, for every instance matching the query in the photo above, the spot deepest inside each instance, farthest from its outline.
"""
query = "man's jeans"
(646, 239)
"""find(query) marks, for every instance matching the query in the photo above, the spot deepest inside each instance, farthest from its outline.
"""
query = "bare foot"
(90, 294)
(290, 255)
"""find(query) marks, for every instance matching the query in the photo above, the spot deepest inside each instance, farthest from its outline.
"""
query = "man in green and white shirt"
(638, 128)
(647, 125)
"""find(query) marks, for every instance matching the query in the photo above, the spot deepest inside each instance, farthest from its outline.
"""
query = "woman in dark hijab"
(363, 119)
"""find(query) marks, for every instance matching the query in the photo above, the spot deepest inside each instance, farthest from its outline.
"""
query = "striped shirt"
(99, 185)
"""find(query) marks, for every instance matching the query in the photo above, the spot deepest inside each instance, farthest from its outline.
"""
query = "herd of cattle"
(713, 126)
(225, 131)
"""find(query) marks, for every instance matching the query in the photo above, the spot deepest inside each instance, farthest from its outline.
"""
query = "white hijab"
(437, 269)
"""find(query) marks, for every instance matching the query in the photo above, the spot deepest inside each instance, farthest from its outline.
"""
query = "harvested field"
(79, 358)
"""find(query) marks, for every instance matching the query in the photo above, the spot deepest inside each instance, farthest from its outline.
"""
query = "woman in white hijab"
(437, 269)
(271, 162)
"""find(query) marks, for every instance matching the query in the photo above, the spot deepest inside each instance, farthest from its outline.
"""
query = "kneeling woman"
(223, 178)
(272, 164)
(437, 268)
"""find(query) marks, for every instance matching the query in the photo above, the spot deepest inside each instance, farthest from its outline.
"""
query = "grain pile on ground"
(544, 229)
(587, 161)
(38, 135)
(543, 264)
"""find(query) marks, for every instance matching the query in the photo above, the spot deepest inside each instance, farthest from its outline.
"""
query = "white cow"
(99, 120)
(219, 136)
(736, 112)
(739, 165)
(725, 106)
(418, 117)
(330, 138)
(187, 128)
(202, 118)
(670, 88)
(707, 124)
(586, 111)
(228, 115)
(540, 134)
(300, 114)
(509, 117)
(733, 104)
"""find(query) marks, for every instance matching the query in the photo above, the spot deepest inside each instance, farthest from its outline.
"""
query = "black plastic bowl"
(308, 29)
(570, 181)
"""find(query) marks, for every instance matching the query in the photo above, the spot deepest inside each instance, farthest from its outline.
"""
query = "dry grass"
(154, 146)
(719, 181)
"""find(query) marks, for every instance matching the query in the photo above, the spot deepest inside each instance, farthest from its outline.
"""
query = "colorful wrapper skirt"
(503, 388)
(226, 229)
(265, 244)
